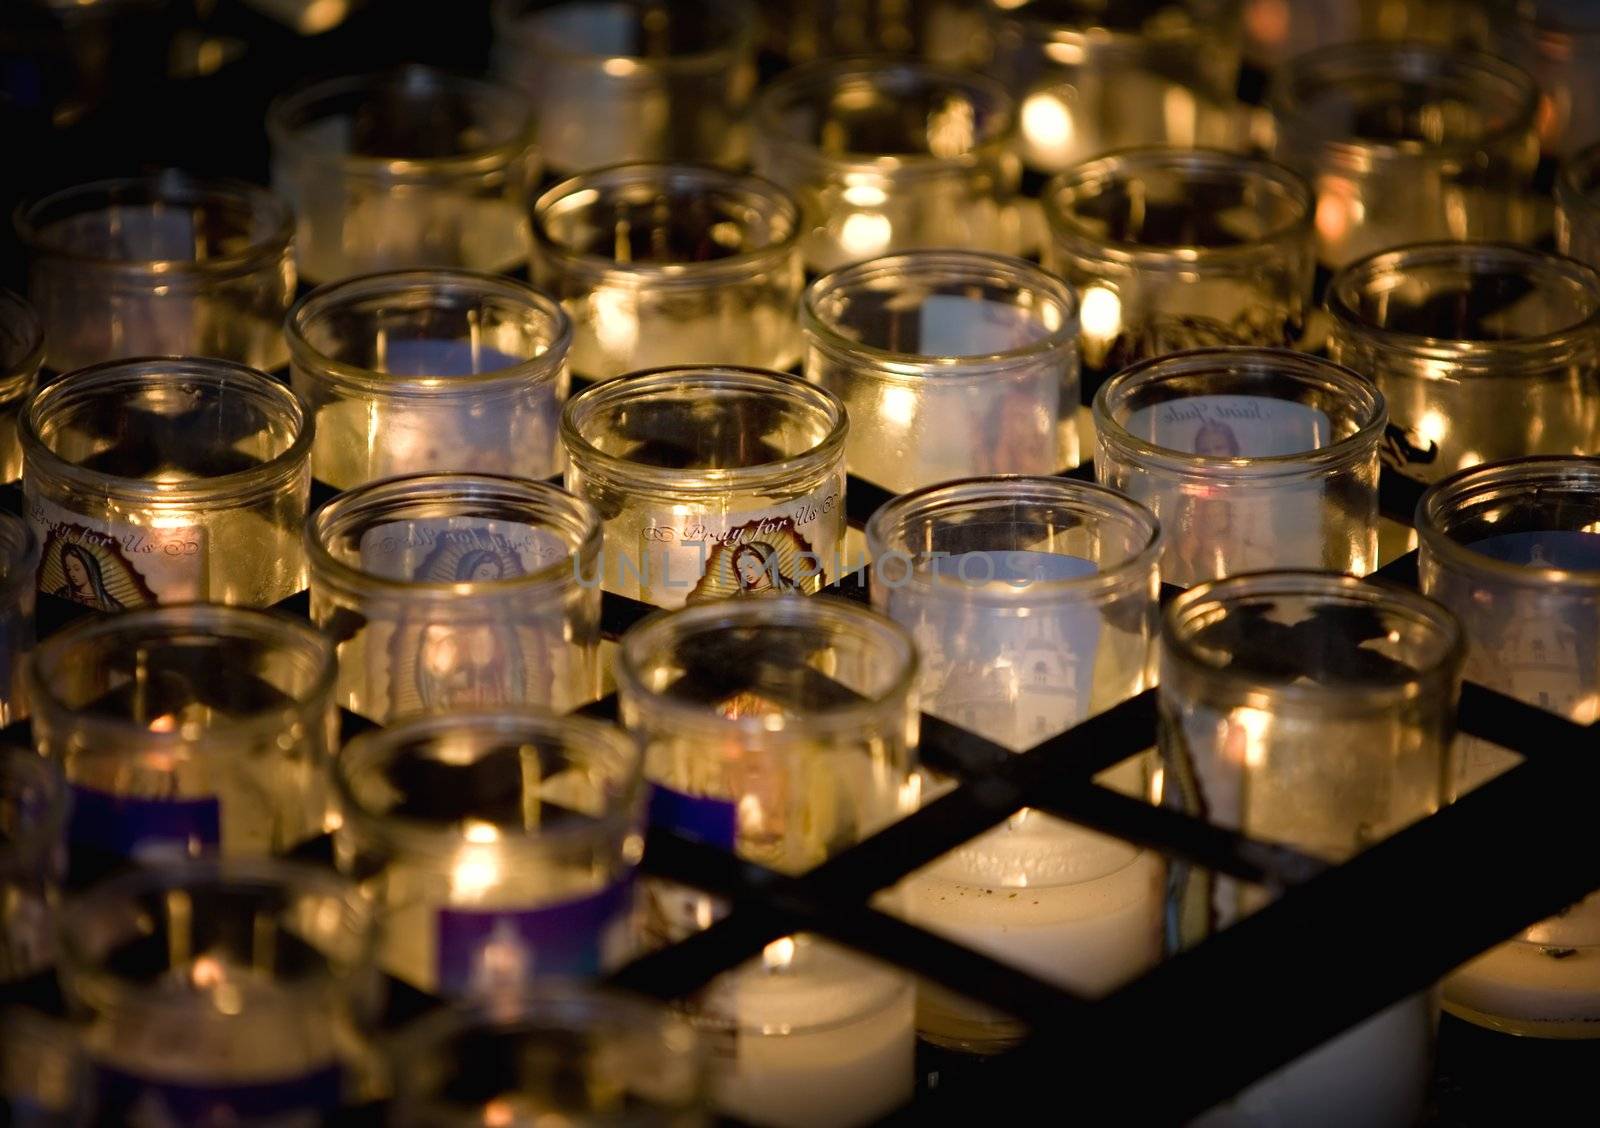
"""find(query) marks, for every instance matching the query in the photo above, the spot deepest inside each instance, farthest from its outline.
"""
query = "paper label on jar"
(443, 358)
(951, 325)
(698, 557)
(484, 951)
(114, 566)
(1232, 426)
(147, 1102)
(458, 550)
(137, 826)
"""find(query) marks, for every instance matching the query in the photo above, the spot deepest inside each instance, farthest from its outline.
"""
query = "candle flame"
(778, 955)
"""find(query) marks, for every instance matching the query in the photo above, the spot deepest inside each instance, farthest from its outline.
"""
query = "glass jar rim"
(1130, 162)
(285, 124)
(169, 187)
(20, 561)
(1371, 414)
(332, 298)
(914, 265)
(116, 736)
(1360, 275)
(811, 81)
(19, 312)
(655, 631)
(576, 517)
(706, 379)
(1515, 477)
(376, 749)
(595, 182)
(510, 23)
(41, 836)
(1215, 597)
(223, 376)
(967, 493)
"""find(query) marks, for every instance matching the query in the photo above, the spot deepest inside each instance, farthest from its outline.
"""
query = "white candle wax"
(1545, 983)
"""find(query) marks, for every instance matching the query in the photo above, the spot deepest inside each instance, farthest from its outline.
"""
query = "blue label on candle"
(132, 1099)
(443, 358)
(133, 825)
(1572, 550)
(482, 951)
(712, 821)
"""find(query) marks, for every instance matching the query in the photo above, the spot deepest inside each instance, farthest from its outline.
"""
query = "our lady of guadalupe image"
(86, 567)
(749, 564)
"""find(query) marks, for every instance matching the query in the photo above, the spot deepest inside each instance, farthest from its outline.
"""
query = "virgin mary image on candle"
(769, 564)
(85, 567)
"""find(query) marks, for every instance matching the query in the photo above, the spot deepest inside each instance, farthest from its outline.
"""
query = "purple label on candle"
(443, 358)
(485, 950)
(1550, 549)
(133, 825)
(132, 1099)
(712, 821)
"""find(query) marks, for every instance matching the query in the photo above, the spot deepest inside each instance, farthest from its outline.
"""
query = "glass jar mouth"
(425, 292)
(277, 406)
(825, 298)
(460, 739)
(601, 405)
(21, 344)
(484, 497)
(35, 797)
(986, 125)
(658, 634)
(1378, 275)
(1436, 635)
(761, 201)
(292, 119)
(1191, 168)
(1243, 370)
(254, 227)
(1073, 501)
(19, 557)
(1446, 507)
(526, 28)
(203, 623)
(1490, 83)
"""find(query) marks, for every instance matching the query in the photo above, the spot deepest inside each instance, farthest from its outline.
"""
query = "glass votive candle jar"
(458, 591)
(1577, 193)
(1314, 711)
(222, 992)
(404, 169)
(159, 266)
(950, 363)
(1512, 549)
(168, 480)
(1406, 141)
(1559, 45)
(712, 482)
(663, 264)
(629, 80)
(1482, 351)
(33, 861)
(890, 156)
(183, 730)
(581, 1055)
(782, 731)
(19, 568)
(1251, 458)
(499, 846)
(430, 370)
(1033, 605)
(1175, 249)
(21, 354)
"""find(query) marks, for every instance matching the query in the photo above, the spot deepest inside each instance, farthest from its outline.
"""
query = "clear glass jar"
(1033, 604)
(783, 731)
(1406, 141)
(456, 591)
(1512, 549)
(411, 168)
(33, 862)
(712, 482)
(1315, 711)
(592, 1058)
(1175, 249)
(159, 266)
(430, 370)
(663, 264)
(19, 567)
(184, 730)
(1482, 351)
(890, 156)
(1251, 458)
(21, 354)
(628, 80)
(222, 991)
(168, 480)
(951, 364)
(1559, 45)
(1578, 206)
(499, 846)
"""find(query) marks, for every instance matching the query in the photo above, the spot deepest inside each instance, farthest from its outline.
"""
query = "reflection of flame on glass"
(865, 234)
(498, 1114)
(1181, 115)
(476, 872)
(778, 955)
(1432, 427)
(1100, 318)
(1253, 725)
(899, 406)
(614, 313)
(952, 128)
(1047, 127)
